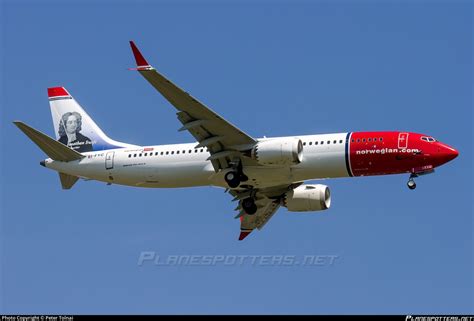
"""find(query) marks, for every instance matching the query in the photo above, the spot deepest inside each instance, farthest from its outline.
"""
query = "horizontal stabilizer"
(67, 181)
(54, 149)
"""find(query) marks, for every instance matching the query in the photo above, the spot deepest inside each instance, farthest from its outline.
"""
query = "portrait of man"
(70, 126)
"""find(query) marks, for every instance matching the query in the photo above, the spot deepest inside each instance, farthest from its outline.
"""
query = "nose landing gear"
(411, 182)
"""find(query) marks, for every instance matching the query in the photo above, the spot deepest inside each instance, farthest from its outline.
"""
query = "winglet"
(244, 234)
(142, 64)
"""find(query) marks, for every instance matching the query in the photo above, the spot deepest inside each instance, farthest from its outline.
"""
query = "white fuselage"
(183, 165)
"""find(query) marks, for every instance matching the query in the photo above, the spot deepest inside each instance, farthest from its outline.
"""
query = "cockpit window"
(428, 139)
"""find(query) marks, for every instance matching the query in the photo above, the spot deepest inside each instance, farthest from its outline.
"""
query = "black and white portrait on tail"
(70, 126)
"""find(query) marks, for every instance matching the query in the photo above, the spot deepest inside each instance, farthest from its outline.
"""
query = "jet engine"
(287, 151)
(306, 198)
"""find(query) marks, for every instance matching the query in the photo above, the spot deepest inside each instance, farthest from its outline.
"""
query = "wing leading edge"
(223, 140)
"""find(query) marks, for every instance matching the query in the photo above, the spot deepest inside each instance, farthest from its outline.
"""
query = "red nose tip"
(453, 153)
(448, 153)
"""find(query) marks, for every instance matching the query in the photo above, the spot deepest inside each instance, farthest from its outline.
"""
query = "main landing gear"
(232, 179)
(236, 176)
(411, 182)
(249, 206)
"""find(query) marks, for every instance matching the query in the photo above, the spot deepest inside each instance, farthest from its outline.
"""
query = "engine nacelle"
(306, 198)
(287, 151)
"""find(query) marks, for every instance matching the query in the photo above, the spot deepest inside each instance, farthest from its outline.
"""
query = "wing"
(256, 221)
(223, 140)
(268, 201)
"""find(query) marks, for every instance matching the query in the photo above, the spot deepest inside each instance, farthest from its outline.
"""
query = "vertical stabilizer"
(74, 127)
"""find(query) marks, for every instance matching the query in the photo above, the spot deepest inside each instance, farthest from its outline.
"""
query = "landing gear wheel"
(232, 179)
(411, 183)
(249, 206)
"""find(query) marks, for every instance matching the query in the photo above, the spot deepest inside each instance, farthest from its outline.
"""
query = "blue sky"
(271, 68)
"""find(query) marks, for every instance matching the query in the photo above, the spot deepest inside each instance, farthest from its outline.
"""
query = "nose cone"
(446, 153)
(453, 154)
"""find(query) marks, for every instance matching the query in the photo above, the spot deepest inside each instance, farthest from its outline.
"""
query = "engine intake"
(306, 198)
(288, 151)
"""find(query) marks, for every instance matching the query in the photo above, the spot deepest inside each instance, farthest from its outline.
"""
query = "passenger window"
(134, 155)
(369, 140)
(311, 143)
(139, 155)
(167, 153)
(380, 139)
(329, 142)
(195, 150)
(304, 144)
(172, 152)
(358, 140)
(156, 153)
(315, 143)
(190, 151)
(202, 149)
(363, 140)
(129, 155)
(334, 142)
(184, 152)
(353, 140)
(161, 153)
(340, 142)
(322, 143)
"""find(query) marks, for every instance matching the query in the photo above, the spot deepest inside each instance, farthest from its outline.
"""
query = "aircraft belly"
(184, 174)
(265, 176)
(161, 174)
(321, 165)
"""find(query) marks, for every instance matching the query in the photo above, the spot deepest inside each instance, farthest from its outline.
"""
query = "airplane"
(261, 174)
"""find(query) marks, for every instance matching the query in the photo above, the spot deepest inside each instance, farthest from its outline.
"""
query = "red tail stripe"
(57, 91)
